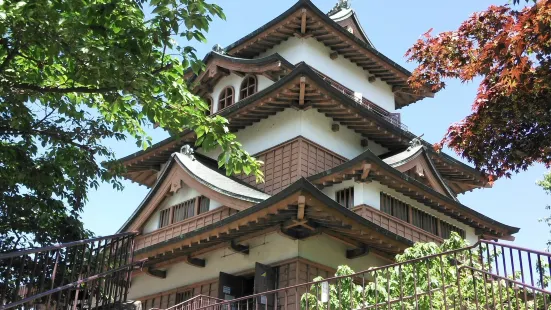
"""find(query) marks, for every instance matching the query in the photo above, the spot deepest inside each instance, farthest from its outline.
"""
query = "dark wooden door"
(264, 280)
(229, 286)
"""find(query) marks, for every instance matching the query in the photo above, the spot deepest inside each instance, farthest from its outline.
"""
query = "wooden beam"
(302, 90)
(193, 261)
(239, 248)
(365, 171)
(301, 206)
(161, 274)
(303, 22)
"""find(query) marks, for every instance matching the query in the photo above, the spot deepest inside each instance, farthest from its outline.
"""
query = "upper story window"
(418, 218)
(184, 210)
(248, 87)
(226, 98)
(209, 102)
(345, 197)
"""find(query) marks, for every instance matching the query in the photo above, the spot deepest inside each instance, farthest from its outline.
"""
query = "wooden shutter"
(395, 207)
(447, 229)
(184, 210)
(425, 221)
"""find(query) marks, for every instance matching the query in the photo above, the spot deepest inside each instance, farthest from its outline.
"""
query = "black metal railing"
(91, 274)
(487, 275)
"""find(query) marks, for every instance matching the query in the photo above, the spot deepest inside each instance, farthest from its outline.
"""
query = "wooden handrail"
(398, 221)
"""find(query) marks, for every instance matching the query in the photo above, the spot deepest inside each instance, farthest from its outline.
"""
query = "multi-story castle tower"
(346, 182)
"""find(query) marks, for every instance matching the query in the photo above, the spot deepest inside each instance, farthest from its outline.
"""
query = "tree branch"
(87, 90)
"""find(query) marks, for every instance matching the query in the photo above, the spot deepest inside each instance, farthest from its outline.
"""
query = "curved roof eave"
(302, 185)
(373, 158)
(327, 19)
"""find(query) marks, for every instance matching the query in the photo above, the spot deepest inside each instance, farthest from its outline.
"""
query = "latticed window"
(446, 230)
(184, 210)
(424, 221)
(248, 87)
(395, 207)
(345, 197)
(164, 218)
(204, 203)
(226, 98)
(183, 296)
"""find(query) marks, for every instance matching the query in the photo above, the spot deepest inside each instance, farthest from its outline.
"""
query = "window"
(184, 210)
(446, 230)
(208, 100)
(424, 221)
(248, 87)
(164, 218)
(418, 218)
(226, 98)
(204, 203)
(394, 207)
(345, 197)
(183, 296)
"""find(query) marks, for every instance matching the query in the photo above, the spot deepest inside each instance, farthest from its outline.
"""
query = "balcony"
(395, 225)
(182, 227)
(393, 118)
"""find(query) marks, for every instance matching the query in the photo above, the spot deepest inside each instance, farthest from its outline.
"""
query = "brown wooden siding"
(395, 225)
(183, 227)
(287, 162)
(168, 298)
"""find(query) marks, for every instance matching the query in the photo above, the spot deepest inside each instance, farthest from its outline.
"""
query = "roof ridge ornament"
(217, 48)
(415, 142)
(187, 150)
(340, 5)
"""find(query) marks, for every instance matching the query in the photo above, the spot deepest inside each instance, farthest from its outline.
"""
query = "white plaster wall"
(330, 252)
(358, 190)
(315, 54)
(310, 124)
(235, 81)
(183, 194)
(371, 196)
(267, 249)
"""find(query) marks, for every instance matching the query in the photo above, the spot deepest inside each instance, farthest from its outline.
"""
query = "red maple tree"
(510, 49)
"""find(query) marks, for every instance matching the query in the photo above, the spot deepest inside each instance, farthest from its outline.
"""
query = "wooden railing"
(396, 225)
(183, 227)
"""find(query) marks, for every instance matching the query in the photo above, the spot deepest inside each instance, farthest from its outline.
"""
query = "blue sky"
(392, 29)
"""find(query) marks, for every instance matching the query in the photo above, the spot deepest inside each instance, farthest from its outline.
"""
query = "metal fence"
(487, 275)
(91, 273)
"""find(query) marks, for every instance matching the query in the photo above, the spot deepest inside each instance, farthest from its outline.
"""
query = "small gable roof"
(200, 176)
(416, 156)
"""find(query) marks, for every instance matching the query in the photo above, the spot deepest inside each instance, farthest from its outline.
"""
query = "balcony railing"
(199, 301)
(487, 275)
(185, 226)
(393, 118)
(91, 274)
(396, 225)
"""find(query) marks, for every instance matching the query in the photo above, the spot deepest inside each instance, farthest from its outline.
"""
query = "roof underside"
(321, 214)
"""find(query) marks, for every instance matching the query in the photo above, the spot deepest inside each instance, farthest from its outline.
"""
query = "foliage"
(76, 73)
(510, 49)
(546, 185)
(441, 282)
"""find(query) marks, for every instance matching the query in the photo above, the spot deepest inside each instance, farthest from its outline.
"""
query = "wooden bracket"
(357, 252)
(239, 248)
(302, 90)
(193, 261)
(161, 274)
(301, 206)
(295, 223)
